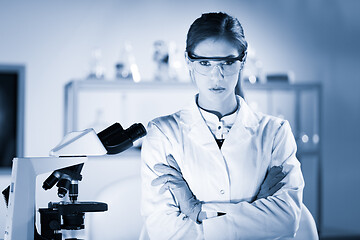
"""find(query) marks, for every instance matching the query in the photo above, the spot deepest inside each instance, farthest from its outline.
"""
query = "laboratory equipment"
(66, 162)
(126, 67)
(161, 59)
(97, 70)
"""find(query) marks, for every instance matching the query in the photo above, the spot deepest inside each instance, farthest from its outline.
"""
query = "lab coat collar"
(191, 114)
(245, 123)
(246, 115)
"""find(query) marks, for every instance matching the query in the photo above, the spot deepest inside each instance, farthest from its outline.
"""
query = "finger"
(275, 188)
(168, 185)
(172, 205)
(269, 178)
(263, 193)
(172, 162)
(164, 188)
(163, 179)
(276, 179)
(274, 171)
(162, 168)
(177, 213)
(260, 195)
(280, 175)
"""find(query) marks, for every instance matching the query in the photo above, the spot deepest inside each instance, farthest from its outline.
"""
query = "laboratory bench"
(115, 180)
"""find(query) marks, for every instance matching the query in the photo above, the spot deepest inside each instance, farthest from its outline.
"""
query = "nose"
(217, 73)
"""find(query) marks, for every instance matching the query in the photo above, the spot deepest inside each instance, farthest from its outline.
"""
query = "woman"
(213, 169)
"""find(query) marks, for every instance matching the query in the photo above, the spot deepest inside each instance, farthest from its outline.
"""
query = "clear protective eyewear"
(227, 65)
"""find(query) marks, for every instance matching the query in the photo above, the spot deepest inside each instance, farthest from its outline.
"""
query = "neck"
(220, 108)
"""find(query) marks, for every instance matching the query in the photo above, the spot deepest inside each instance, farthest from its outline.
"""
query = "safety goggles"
(227, 65)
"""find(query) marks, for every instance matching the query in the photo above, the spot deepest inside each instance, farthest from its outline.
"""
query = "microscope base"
(71, 214)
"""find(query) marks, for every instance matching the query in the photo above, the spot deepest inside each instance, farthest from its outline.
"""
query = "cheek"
(196, 77)
(201, 82)
(232, 80)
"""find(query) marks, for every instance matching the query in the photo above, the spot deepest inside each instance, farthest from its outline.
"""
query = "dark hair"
(217, 25)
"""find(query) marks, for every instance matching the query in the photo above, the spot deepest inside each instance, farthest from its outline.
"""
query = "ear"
(187, 59)
(191, 72)
(244, 60)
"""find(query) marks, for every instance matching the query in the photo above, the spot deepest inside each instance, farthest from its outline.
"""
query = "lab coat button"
(222, 191)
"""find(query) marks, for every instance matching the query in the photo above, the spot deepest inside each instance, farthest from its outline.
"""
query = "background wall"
(318, 40)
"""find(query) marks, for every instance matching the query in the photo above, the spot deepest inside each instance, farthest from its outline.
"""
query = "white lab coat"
(226, 180)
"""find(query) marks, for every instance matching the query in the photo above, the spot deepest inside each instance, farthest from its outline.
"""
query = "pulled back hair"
(216, 25)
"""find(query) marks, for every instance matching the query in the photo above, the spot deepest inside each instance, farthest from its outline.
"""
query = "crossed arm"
(272, 215)
(172, 178)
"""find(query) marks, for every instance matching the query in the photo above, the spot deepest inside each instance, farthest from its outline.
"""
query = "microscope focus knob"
(54, 225)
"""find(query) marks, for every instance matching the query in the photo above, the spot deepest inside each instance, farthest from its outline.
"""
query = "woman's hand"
(272, 182)
(173, 179)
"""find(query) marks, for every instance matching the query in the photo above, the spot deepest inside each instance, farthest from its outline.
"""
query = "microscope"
(67, 159)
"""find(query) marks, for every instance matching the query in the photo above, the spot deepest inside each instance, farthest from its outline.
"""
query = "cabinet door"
(284, 106)
(309, 120)
(100, 108)
(309, 167)
(144, 105)
(258, 100)
(277, 103)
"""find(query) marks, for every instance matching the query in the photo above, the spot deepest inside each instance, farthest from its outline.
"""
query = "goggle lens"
(205, 65)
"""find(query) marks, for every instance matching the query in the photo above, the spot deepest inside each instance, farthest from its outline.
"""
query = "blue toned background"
(317, 40)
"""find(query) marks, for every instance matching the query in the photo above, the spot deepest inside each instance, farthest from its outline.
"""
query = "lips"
(217, 89)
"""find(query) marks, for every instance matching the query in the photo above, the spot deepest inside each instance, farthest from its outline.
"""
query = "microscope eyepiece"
(136, 131)
(51, 180)
(116, 140)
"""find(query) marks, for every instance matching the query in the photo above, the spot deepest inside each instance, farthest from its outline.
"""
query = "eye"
(229, 63)
(204, 63)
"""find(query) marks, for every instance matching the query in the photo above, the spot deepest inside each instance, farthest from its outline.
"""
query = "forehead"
(214, 47)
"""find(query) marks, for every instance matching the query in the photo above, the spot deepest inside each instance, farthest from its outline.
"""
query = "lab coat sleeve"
(163, 219)
(274, 217)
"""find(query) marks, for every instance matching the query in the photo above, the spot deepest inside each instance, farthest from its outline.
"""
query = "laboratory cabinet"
(99, 103)
(300, 104)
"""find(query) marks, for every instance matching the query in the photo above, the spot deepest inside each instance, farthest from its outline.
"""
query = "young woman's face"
(212, 78)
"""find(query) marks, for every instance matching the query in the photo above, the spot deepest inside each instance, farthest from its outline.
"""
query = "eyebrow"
(196, 57)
